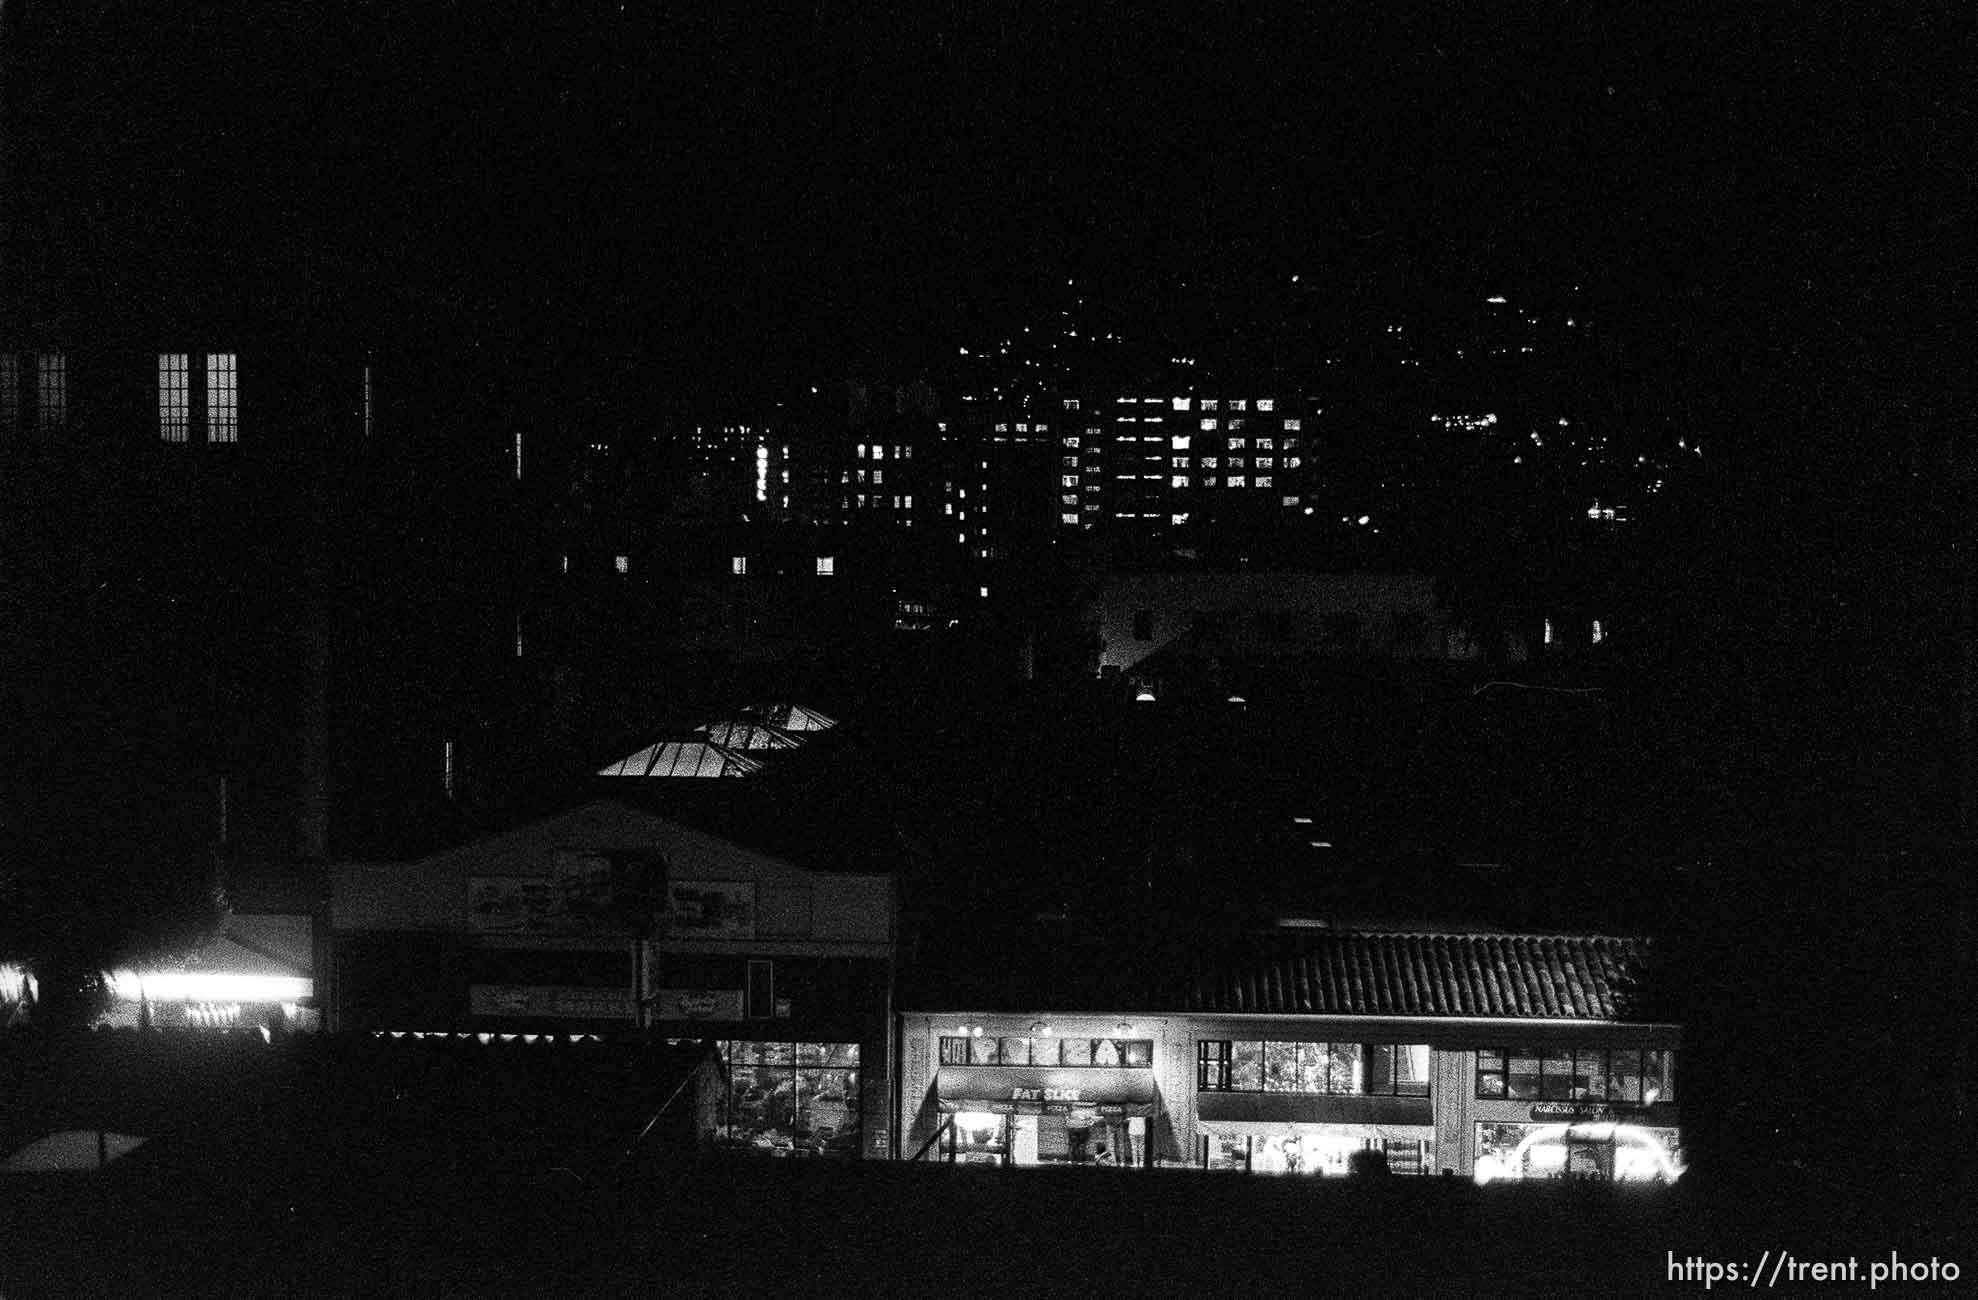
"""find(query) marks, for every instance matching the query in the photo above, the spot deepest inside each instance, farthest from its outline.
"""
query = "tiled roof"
(1323, 972)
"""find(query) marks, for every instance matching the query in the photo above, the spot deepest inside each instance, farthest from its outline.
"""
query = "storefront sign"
(1587, 1110)
(585, 892)
(698, 1004)
(549, 1002)
(711, 909)
(1033, 1090)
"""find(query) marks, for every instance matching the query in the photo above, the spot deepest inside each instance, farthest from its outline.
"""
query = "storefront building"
(613, 922)
(1486, 1056)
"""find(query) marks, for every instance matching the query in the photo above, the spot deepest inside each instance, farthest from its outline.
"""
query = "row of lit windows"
(825, 566)
(1333, 1069)
(1563, 1074)
(50, 389)
(1049, 1050)
(222, 397)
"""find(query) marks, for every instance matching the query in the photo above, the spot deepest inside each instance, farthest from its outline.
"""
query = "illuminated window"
(1238, 480)
(1263, 480)
(909, 501)
(1072, 442)
(1178, 481)
(222, 397)
(827, 565)
(1266, 462)
(1182, 403)
(1071, 403)
(789, 1095)
(1336, 1069)
(174, 396)
(447, 772)
(879, 451)
(1266, 444)
(878, 477)
(622, 563)
(10, 394)
(1211, 462)
(738, 565)
(1068, 462)
(1068, 519)
(1208, 424)
(1239, 404)
(52, 392)
(367, 401)
(1294, 426)
(1557, 1074)
(1266, 404)
(1293, 462)
(1208, 403)
(1236, 462)
(1068, 480)
(1068, 499)
(1178, 520)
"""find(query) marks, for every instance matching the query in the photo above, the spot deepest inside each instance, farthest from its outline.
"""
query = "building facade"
(1485, 1056)
(611, 922)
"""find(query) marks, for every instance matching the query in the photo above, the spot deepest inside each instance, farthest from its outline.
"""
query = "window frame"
(1222, 1051)
(1666, 1059)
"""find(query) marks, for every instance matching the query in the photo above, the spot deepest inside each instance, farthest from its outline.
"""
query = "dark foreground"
(359, 1220)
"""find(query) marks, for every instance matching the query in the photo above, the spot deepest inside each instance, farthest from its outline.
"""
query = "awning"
(1038, 1091)
(1271, 1108)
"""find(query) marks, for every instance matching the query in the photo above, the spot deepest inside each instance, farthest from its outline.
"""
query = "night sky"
(785, 190)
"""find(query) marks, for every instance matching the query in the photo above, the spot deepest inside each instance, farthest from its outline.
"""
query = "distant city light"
(1497, 299)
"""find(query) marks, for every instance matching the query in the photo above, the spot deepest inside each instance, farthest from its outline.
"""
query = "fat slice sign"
(1046, 1094)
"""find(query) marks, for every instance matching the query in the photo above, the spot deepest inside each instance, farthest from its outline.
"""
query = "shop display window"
(1223, 1151)
(1586, 1074)
(1603, 1152)
(792, 1098)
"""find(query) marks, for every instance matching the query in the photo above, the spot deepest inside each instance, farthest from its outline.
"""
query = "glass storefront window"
(1592, 1068)
(1281, 1067)
(1524, 1076)
(1078, 1051)
(1398, 1069)
(1658, 1076)
(1556, 1081)
(787, 1099)
(1343, 1072)
(982, 1051)
(1625, 1083)
(1016, 1051)
(1625, 1075)
(1246, 1070)
(1226, 1152)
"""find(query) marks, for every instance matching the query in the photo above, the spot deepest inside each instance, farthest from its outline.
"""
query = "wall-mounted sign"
(549, 1002)
(1584, 1110)
(711, 909)
(698, 1004)
(585, 892)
